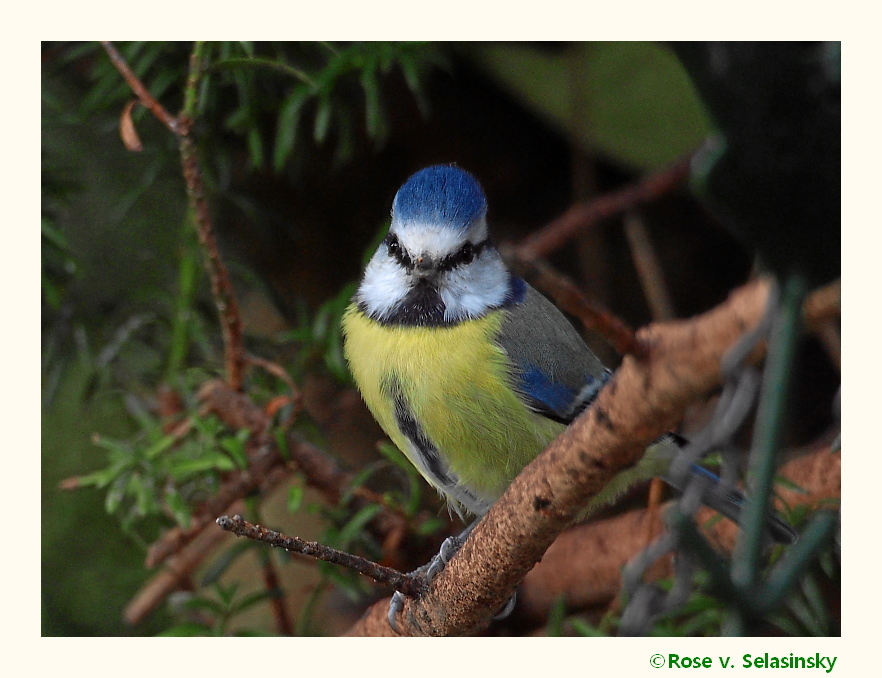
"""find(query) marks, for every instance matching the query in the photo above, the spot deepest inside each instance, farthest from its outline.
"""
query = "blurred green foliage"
(126, 306)
(629, 101)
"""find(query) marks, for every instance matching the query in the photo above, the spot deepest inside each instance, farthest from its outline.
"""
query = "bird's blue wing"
(555, 399)
(558, 376)
(552, 369)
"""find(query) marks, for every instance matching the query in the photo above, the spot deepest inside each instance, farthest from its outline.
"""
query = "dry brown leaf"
(127, 130)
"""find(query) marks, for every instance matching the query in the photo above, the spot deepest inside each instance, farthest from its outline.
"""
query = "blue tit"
(469, 370)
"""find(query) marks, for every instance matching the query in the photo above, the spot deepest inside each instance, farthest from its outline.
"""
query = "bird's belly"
(455, 383)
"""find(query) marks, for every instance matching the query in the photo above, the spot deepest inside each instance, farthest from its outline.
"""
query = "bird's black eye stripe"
(397, 251)
(464, 255)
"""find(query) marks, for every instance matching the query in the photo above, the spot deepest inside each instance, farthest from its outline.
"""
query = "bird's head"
(436, 265)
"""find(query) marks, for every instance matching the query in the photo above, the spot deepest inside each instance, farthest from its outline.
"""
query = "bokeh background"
(303, 146)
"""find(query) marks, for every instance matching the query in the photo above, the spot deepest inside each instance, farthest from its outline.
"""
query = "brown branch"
(319, 470)
(570, 299)
(182, 126)
(280, 373)
(144, 96)
(824, 304)
(644, 399)
(583, 216)
(221, 287)
(173, 575)
(823, 309)
(277, 602)
(407, 584)
(234, 489)
(648, 268)
(655, 290)
(584, 564)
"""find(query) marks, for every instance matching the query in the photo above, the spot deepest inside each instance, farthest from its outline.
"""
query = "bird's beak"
(424, 266)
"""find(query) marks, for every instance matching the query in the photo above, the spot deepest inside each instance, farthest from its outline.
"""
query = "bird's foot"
(429, 571)
(449, 548)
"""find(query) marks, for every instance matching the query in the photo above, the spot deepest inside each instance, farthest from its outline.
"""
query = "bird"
(467, 368)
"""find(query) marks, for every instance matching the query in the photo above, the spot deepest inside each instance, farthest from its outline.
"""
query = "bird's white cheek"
(384, 285)
(471, 291)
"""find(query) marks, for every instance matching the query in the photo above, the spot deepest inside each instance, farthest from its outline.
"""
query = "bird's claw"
(509, 606)
(430, 570)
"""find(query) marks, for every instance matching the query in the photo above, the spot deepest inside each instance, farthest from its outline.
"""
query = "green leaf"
(815, 600)
(253, 599)
(374, 121)
(430, 526)
(554, 625)
(115, 494)
(360, 478)
(585, 629)
(159, 447)
(235, 446)
(322, 119)
(805, 615)
(255, 147)
(178, 506)
(142, 489)
(356, 524)
(631, 101)
(295, 498)
(281, 439)
(210, 462)
(217, 608)
(788, 484)
(226, 594)
(219, 565)
(288, 121)
(786, 624)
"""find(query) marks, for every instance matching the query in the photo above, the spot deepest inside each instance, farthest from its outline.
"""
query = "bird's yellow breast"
(456, 382)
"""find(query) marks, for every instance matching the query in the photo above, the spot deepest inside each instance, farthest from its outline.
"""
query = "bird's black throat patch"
(422, 306)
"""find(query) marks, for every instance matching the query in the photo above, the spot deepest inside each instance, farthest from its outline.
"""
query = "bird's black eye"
(466, 253)
(396, 251)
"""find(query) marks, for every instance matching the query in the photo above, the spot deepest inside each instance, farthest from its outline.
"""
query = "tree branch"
(583, 216)
(140, 91)
(320, 471)
(584, 564)
(182, 127)
(407, 584)
(645, 398)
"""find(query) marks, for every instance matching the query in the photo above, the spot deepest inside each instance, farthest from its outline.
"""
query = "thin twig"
(649, 269)
(182, 127)
(238, 486)
(221, 287)
(173, 575)
(405, 583)
(571, 300)
(320, 470)
(585, 215)
(655, 290)
(262, 62)
(281, 373)
(277, 602)
(140, 91)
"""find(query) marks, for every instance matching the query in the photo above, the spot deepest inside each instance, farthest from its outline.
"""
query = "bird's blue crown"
(441, 194)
